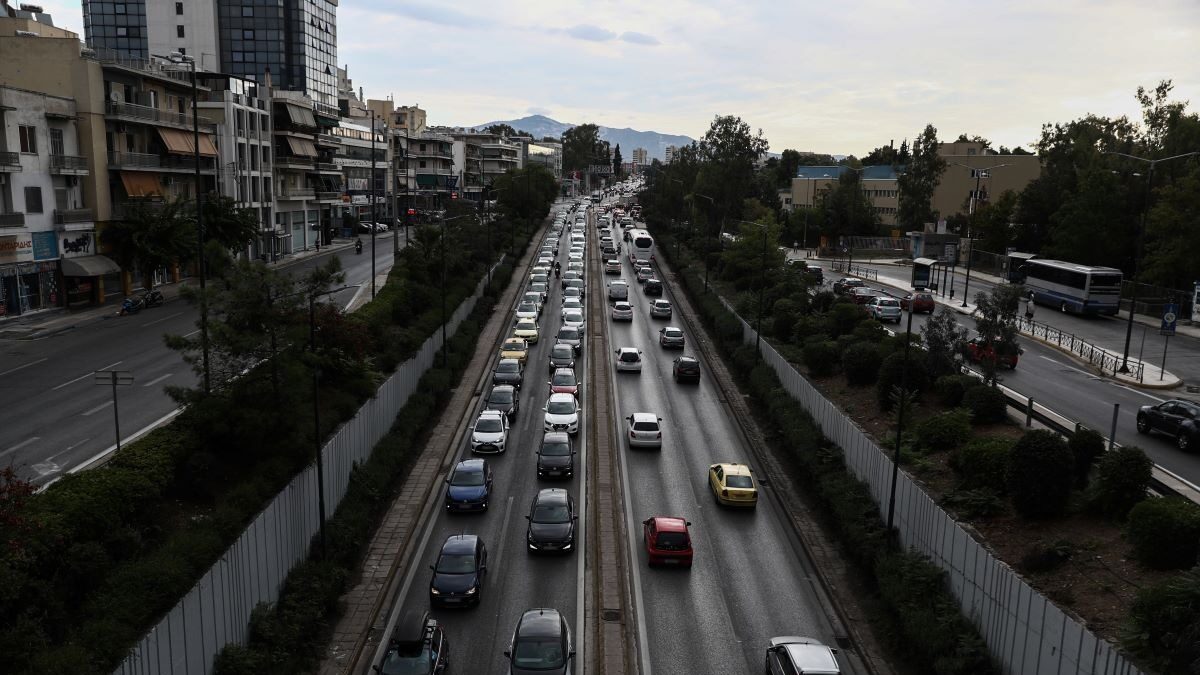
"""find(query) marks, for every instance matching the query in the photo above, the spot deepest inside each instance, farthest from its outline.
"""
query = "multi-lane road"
(56, 417)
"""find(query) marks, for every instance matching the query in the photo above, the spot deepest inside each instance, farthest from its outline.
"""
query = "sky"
(829, 77)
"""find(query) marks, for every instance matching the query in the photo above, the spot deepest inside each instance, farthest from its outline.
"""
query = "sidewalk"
(1153, 377)
(61, 319)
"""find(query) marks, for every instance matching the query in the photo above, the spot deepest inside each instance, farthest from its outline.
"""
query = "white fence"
(217, 610)
(1024, 631)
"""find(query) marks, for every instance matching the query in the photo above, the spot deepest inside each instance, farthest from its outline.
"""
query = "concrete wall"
(199, 20)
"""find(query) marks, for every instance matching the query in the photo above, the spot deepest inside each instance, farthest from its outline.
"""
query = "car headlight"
(434, 591)
(471, 590)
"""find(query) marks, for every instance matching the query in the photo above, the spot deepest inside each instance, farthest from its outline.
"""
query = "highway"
(56, 417)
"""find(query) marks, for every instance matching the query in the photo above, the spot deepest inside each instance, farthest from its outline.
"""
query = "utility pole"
(979, 174)
(373, 222)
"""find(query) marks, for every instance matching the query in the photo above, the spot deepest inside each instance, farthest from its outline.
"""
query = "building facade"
(880, 183)
(967, 161)
(640, 157)
(669, 153)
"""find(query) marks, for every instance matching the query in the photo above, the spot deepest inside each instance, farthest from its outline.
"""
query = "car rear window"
(645, 426)
(672, 541)
(629, 357)
(739, 481)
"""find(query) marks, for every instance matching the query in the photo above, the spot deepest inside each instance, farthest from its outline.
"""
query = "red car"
(667, 541)
(919, 301)
(862, 296)
(564, 382)
(978, 351)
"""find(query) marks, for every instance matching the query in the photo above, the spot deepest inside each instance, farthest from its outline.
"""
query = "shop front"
(86, 273)
(28, 273)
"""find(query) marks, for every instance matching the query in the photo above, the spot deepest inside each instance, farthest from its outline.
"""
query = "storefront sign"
(359, 199)
(16, 248)
(45, 246)
(78, 244)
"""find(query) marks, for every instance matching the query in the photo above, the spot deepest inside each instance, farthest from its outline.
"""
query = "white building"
(640, 157)
(670, 153)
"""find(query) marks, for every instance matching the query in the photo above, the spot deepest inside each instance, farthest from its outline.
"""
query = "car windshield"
(507, 368)
(457, 563)
(574, 317)
(556, 448)
(550, 513)
(467, 478)
(569, 333)
(491, 425)
(739, 481)
(514, 345)
(561, 352)
(411, 664)
(526, 325)
(501, 396)
(538, 654)
(560, 407)
(889, 303)
(672, 541)
(563, 379)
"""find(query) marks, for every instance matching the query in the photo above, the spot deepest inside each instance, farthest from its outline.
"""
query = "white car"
(644, 430)
(884, 309)
(629, 360)
(576, 267)
(572, 304)
(570, 336)
(562, 414)
(575, 257)
(535, 297)
(573, 292)
(573, 319)
(490, 432)
(622, 311)
(612, 266)
(660, 309)
(527, 310)
(541, 287)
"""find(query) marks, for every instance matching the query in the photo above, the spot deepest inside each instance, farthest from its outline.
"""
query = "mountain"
(654, 142)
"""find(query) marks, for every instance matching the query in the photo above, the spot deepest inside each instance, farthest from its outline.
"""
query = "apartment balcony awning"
(180, 143)
(89, 266)
(140, 184)
(300, 115)
(301, 147)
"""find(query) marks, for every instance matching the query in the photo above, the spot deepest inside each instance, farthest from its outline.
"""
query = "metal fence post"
(1029, 412)
(1112, 435)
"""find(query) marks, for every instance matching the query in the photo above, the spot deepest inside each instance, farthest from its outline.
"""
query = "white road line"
(192, 333)
(20, 445)
(165, 318)
(98, 408)
(31, 363)
(85, 376)
(158, 379)
(1101, 379)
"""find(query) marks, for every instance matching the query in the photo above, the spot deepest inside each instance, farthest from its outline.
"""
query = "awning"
(926, 261)
(140, 184)
(89, 266)
(207, 147)
(300, 115)
(177, 142)
(301, 147)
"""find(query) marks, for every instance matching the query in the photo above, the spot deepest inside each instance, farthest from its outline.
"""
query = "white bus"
(641, 246)
(1073, 288)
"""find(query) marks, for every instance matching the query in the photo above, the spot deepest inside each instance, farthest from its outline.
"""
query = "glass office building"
(116, 28)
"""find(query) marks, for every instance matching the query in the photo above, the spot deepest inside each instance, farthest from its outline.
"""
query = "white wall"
(199, 20)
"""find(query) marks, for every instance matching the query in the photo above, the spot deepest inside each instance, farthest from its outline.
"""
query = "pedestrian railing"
(1108, 362)
(856, 270)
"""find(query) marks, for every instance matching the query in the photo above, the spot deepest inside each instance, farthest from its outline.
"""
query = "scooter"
(131, 305)
(152, 298)
(358, 246)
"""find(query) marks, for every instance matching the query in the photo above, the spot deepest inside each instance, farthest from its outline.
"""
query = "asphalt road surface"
(56, 417)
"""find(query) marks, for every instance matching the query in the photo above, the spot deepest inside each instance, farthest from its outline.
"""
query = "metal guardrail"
(12, 219)
(1106, 361)
(856, 270)
(142, 160)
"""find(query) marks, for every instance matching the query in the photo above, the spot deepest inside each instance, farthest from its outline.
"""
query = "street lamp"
(1138, 243)
(979, 174)
(180, 58)
(762, 284)
(445, 344)
(674, 231)
(373, 217)
(712, 204)
(903, 403)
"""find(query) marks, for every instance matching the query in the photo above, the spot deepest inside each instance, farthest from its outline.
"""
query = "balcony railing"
(141, 160)
(329, 196)
(67, 163)
(144, 113)
(292, 160)
(10, 160)
(434, 172)
(327, 166)
(299, 193)
(62, 217)
(446, 154)
(12, 219)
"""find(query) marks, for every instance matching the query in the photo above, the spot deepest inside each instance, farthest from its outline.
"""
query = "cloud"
(639, 38)
(435, 14)
(590, 33)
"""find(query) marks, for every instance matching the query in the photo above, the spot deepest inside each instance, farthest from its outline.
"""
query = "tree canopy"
(582, 148)
(919, 181)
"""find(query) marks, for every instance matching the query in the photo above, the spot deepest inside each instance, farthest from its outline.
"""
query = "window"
(178, 31)
(179, 9)
(183, 51)
(33, 200)
(247, 11)
(28, 140)
(57, 147)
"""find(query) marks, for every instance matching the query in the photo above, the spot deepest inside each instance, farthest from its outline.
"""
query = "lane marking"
(192, 333)
(1102, 379)
(97, 409)
(492, 567)
(85, 376)
(156, 380)
(20, 445)
(165, 318)
(31, 363)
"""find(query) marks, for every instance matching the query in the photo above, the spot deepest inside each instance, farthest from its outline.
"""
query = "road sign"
(1169, 317)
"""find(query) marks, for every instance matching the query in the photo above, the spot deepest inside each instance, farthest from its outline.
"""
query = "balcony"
(435, 154)
(298, 193)
(145, 114)
(74, 219)
(10, 161)
(68, 165)
(140, 161)
(293, 162)
(328, 168)
(12, 219)
(434, 172)
(329, 196)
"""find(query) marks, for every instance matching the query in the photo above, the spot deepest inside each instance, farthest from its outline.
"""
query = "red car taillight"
(658, 435)
(632, 433)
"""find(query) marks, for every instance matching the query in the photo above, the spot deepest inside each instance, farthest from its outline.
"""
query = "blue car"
(469, 487)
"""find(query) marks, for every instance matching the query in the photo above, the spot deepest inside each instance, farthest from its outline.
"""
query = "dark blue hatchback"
(469, 487)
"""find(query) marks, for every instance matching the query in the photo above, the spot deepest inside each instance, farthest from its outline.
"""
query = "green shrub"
(1046, 557)
(869, 331)
(944, 431)
(1039, 474)
(1122, 478)
(1163, 629)
(983, 463)
(845, 317)
(812, 326)
(987, 404)
(821, 358)
(861, 362)
(1165, 532)
(977, 503)
(786, 313)
(950, 388)
(1087, 445)
(823, 300)
(894, 369)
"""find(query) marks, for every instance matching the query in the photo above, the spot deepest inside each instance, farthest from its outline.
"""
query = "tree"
(918, 183)
(229, 225)
(1015, 151)
(617, 160)
(503, 130)
(526, 192)
(1172, 251)
(848, 210)
(728, 153)
(962, 138)
(996, 323)
(884, 155)
(742, 261)
(943, 339)
(152, 235)
(786, 167)
(991, 225)
(582, 147)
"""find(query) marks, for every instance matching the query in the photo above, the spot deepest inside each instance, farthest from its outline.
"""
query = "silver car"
(570, 336)
(622, 311)
(884, 309)
(660, 309)
(671, 337)
(629, 360)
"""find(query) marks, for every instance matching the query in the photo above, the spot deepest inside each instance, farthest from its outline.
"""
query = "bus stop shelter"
(924, 274)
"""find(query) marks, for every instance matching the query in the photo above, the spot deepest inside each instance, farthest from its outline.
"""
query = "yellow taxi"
(515, 348)
(732, 485)
(527, 330)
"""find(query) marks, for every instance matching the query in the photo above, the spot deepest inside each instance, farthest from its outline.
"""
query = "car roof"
(624, 350)
(564, 370)
(562, 396)
(670, 524)
(490, 413)
(503, 387)
(460, 543)
(622, 302)
(411, 629)
(556, 437)
(668, 329)
(540, 623)
(688, 359)
(512, 362)
(551, 496)
(644, 417)
(811, 656)
(472, 465)
(514, 340)
(734, 469)
(561, 348)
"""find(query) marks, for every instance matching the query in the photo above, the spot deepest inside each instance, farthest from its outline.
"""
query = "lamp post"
(1138, 243)
(706, 247)
(903, 402)
(674, 233)
(445, 344)
(979, 174)
(373, 221)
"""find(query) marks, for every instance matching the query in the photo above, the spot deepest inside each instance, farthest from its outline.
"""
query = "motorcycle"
(152, 298)
(358, 246)
(131, 305)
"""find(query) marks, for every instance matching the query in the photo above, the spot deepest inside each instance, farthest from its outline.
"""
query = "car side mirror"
(688, 523)
(376, 669)
(507, 654)
(432, 567)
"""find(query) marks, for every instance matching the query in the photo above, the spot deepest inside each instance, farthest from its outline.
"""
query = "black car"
(418, 647)
(556, 457)
(843, 286)
(562, 356)
(541, 644)
(551, 522)
(503, 397)
(1177, 418)
(686, 368)
(459, 572)
(652, 286)
(508, 371)
(469, 486)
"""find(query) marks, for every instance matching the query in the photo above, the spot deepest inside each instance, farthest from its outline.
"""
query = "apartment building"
(363, 160)
(306, 181)
(546, 153)
(669, 153)
(640, 157)
(969, 166)
(880, 183)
